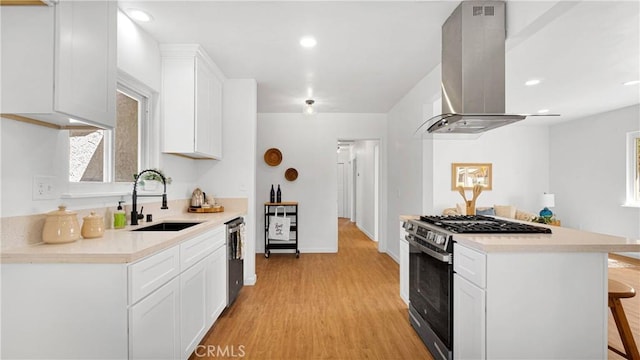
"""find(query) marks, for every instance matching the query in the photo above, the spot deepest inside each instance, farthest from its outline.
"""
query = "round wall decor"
(273, 157)
(291, 174)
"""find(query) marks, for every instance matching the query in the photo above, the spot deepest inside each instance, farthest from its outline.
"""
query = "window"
(633, 168)
(104, 156)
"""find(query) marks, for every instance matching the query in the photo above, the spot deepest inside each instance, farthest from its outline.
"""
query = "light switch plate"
(44, 187)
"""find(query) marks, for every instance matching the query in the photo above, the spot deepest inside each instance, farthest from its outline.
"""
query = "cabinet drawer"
(199, 247)
(470, 264)
(149, 274)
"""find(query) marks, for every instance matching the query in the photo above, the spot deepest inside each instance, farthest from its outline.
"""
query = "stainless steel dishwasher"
(235, 256)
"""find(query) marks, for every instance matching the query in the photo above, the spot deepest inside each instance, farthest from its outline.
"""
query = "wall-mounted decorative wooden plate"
(291, 174)
(273, 157)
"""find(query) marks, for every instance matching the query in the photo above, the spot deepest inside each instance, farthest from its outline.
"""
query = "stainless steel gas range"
(431, 272)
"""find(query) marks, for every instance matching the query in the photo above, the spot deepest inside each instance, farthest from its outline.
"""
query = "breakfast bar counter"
(513, 295)
(561, 239)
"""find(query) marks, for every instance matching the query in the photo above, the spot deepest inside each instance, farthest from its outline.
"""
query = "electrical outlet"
(44, 187)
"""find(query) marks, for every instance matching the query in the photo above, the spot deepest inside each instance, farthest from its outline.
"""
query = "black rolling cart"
(291, 209)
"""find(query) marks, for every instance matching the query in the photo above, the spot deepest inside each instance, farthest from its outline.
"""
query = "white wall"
(309, 145)
(138, 53)
(234, 176)
(365, 191)
(520, 158)
(30, 150)
(407, 192)
(588, 172)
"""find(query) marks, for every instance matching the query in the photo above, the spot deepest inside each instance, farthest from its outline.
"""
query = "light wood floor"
(631, 276)
(339, 306)
(321, 306)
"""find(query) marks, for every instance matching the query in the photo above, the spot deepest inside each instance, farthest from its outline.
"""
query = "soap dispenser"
(119, 217)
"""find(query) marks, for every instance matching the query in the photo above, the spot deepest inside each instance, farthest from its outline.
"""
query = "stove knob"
(409, 226)
(440, 239)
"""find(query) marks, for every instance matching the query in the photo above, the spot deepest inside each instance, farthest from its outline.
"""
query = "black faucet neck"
(134, 195)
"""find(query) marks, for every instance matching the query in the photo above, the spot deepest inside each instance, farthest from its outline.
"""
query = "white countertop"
(562, 239)
(118, 245)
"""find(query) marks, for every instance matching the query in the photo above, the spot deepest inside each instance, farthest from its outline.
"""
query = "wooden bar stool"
(617, 291)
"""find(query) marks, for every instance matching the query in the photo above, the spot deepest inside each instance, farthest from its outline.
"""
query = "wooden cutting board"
(213, 209)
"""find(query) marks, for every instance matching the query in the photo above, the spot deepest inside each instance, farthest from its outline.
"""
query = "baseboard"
(393, 256)
(365, 232)
(251, 280)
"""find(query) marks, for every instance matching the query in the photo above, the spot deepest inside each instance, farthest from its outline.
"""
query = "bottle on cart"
(279, 195)
(272, 196)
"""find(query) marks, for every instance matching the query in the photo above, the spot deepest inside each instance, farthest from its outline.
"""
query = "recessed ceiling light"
(532, 82)
(139, 15)
(543, 111)
(632, 82)
(308, 41)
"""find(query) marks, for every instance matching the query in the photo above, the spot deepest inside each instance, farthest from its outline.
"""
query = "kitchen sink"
(168, 226)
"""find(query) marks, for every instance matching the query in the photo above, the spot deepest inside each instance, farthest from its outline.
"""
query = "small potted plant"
(151, 181)
(549, 220)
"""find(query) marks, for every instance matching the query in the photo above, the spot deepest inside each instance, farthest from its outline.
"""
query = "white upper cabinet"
(191, 102)
(59, 62)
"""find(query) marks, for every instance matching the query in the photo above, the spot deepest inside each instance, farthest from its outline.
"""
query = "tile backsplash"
(18, 231)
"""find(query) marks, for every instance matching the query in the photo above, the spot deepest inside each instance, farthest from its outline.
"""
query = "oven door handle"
(446, 258)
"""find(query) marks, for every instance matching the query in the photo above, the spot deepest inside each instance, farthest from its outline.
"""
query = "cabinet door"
(85, 66)
(204, 108)
(208, 111)
(469, 318)
(192, 308)
(154, 324)
(216, 296)
(216, 118)
(404, 270)
(27, 58)
(178, 94)
(59, 62)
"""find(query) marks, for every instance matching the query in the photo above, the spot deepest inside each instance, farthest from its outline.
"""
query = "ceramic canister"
(92, 226)
(61, 226)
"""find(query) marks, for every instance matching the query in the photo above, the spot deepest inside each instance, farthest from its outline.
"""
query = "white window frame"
(148, 144)
(633, 171)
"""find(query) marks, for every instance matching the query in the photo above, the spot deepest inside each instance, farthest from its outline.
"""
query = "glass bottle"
(272, 196)
(279, 195)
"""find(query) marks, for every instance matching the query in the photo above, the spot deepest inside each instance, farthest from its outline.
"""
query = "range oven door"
(431, 297)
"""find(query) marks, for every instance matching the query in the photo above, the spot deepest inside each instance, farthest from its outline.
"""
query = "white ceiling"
(371, 53)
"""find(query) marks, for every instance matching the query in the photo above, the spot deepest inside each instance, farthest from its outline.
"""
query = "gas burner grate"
(482, 225)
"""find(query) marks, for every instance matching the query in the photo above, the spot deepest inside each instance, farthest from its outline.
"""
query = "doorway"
(358, 172)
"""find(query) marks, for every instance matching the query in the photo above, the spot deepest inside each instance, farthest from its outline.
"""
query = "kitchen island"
(129, 294)
(532, 295)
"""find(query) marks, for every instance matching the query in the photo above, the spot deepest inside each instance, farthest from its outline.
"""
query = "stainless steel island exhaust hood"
(473, 71)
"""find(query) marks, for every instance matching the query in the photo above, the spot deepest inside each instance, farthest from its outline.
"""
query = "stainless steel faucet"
(134, 195)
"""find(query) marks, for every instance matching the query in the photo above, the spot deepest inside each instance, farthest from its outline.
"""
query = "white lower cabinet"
(159, 307)
(535, 305)
(154, 325)
(468, 319)
(404, 265)
(192, 308)
(216, 278)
